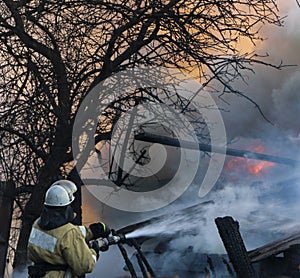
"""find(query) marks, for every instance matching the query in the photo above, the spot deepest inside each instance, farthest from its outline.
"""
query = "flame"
(253, 167)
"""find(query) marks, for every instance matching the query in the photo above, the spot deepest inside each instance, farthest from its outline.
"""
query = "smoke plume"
(266, 206)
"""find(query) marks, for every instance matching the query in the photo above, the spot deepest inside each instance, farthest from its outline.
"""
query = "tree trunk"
(33, 209)
(6, 209)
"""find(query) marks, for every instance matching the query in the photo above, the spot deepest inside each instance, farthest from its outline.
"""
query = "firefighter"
(58, 248)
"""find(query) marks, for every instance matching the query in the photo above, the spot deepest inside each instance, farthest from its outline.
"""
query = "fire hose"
(120, 240)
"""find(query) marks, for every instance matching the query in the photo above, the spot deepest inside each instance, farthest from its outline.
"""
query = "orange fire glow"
(249, 166)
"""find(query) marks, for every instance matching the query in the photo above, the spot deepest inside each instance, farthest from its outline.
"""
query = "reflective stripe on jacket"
(65, 245)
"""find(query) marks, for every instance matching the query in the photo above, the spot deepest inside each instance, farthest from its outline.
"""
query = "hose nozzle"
(104, 243)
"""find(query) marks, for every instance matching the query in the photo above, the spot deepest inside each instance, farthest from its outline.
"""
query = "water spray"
(120, 239)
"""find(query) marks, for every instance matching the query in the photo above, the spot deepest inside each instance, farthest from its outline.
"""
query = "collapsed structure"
(280, 258)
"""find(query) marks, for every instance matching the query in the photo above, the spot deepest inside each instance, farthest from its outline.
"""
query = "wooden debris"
(273, 248)
(234, 245)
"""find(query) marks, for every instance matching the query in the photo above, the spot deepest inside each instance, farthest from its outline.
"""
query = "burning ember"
(239, 165)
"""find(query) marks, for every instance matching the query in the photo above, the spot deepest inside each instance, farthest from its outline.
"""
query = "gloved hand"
(95, 245)
(99, 229)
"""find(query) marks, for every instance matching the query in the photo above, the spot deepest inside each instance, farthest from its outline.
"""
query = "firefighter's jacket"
(65, 245)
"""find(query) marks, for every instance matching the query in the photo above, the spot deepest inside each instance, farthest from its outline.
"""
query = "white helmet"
(58, 196)
(68, 185)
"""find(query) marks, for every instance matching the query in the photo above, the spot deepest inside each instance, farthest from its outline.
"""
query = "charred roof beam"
(174, 142)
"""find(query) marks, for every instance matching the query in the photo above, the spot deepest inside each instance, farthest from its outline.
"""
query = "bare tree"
(54, 52)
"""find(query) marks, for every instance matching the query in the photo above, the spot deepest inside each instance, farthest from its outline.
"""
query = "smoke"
(287, 104)
(275, 91)
(266, 206)
(264, 209)
(110, 264)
